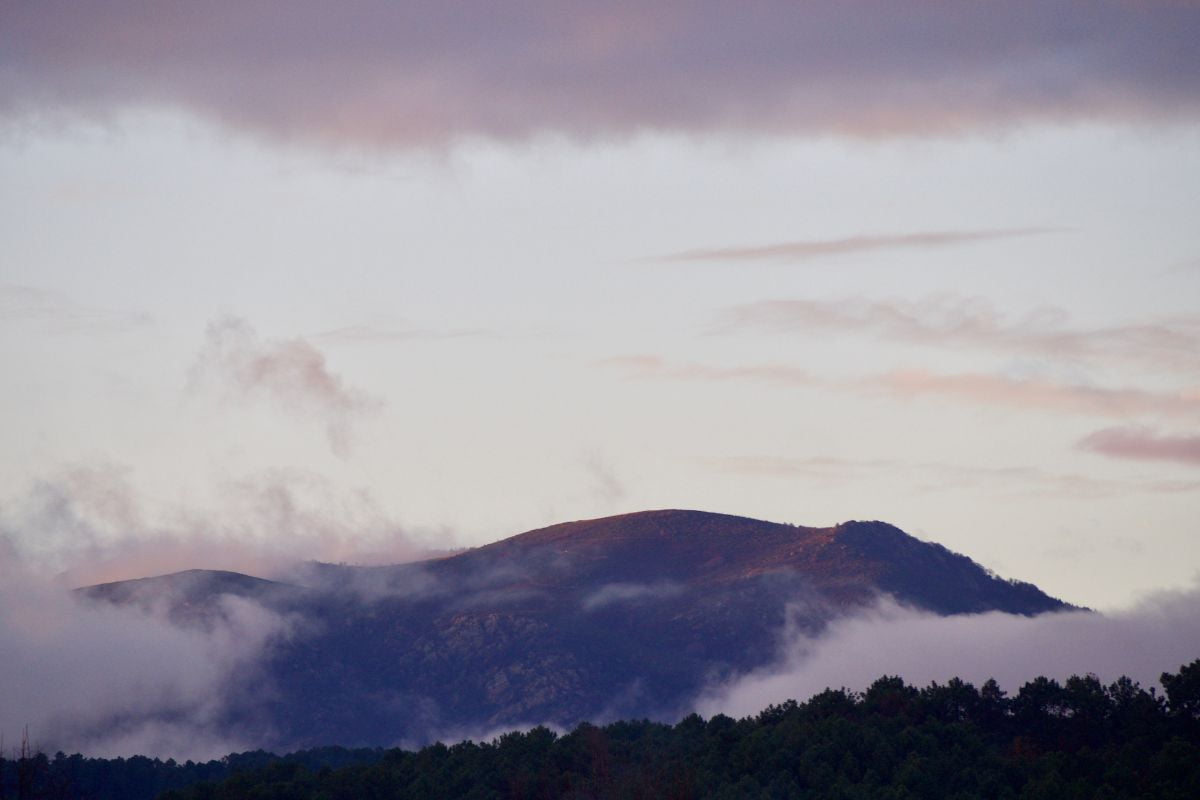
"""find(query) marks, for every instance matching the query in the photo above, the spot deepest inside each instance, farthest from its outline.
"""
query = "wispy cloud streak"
(57, 313)
(997, 390)
(648, 366)
(942, 321)
(819, 248)
(939, 477)
(374, 334)
(971, 388)
(407, 73)
(1143, 445)
(630, 593)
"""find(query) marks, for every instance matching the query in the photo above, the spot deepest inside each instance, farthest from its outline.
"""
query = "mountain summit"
(630, 615)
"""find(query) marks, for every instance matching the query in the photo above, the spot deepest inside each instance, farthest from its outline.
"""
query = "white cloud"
(87, 523)
(613, 593)
(110, 680)
(1155, 636)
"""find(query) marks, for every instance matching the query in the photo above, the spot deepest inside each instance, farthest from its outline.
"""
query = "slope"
(622, 616)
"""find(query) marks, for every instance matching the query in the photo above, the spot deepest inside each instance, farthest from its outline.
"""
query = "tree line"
(1078, 739)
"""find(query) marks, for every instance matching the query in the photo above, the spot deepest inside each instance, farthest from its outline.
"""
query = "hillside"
(591, 620)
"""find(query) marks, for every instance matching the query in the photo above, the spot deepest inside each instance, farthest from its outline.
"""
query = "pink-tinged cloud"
(996, 390)
(646, 366)
(818, 248)
(291, 373)
(372, 334)
(54, 312)
(403, 73)
(1143, 445)
(943, 321)
(941, 477)
(972, 388)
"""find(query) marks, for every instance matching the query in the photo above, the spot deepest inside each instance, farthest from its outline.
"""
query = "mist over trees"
(1077, 739)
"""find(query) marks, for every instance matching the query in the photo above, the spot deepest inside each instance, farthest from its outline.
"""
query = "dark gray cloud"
(1142, 444)
(383, 73)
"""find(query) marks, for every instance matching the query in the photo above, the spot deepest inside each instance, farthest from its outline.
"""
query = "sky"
(279, 283)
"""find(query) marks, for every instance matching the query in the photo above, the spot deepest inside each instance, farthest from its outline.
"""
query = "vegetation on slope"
(628, 616)
(1080, 739)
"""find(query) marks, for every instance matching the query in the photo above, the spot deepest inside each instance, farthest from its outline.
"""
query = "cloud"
(947, 321)
(89, 524)
(973, 388)
(647, 366)
(1186, 266)
(607, 489)
(939, 477)
(373, 334)
(292, 373)
(819, 248)
(55, 312)
(998, 390)
(1167, 345)
(614, 593)
(115, 681)
(1157, 635)
(389, 74)
(1142, 444)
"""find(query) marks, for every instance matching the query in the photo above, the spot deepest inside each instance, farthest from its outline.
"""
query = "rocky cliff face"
(623, 616)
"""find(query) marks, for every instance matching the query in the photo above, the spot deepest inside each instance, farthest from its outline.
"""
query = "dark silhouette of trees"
(1079, 739)
(1183, 690)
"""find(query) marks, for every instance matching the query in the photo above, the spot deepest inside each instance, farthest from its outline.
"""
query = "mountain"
(623, 616)
(192, 597)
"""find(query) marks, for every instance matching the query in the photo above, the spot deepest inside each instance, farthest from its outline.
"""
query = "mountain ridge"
(628, 615)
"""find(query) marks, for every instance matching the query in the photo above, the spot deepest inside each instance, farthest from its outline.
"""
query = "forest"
(1078, 739)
